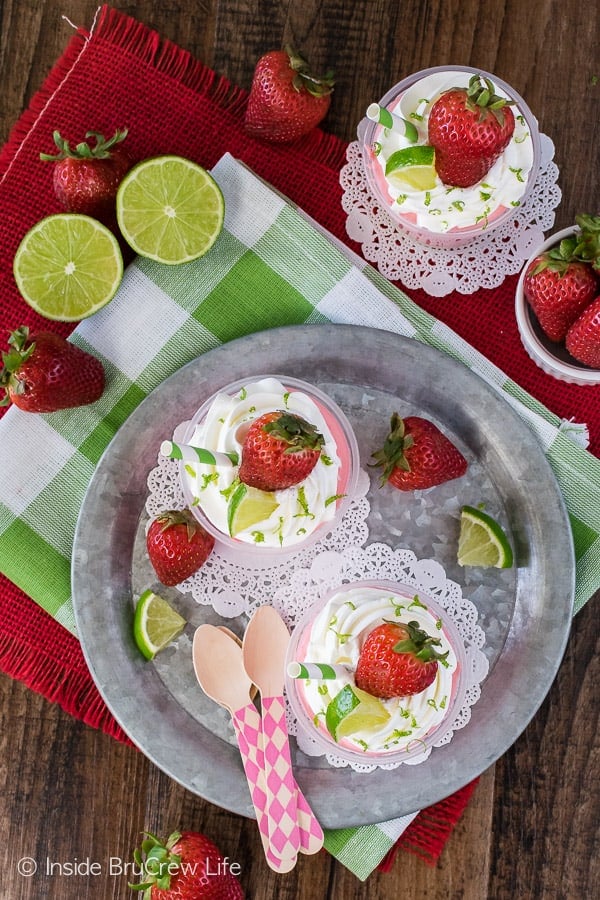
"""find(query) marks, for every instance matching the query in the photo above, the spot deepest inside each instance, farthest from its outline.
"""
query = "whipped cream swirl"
(300, 509)
(337, 635)
(445, 208)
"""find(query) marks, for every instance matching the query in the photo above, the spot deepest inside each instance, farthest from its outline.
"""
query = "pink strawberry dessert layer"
(298, 511)
(445, 209)
(335, 635)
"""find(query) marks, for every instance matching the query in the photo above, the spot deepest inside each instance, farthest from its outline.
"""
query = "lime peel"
(482, 541)
(249, 506)
(353, 710)
(155, 624)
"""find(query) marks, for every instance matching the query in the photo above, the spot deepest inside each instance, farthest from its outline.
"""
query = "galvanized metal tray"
(526, 612)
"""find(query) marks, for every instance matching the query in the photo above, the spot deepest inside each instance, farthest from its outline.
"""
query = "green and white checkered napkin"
(270, 267)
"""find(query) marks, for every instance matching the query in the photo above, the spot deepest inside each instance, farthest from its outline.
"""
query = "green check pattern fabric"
(270, 267)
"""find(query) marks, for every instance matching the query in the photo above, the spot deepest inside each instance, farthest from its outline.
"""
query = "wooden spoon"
(219, 668)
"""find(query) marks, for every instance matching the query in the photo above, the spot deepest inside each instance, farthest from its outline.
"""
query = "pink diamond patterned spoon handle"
(248, 729)
(264, 651)
(282, 803)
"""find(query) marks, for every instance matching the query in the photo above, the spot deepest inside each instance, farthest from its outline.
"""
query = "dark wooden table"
(531, 831)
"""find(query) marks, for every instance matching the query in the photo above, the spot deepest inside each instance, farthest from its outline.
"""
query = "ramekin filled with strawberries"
(558, 303)
(450, 153)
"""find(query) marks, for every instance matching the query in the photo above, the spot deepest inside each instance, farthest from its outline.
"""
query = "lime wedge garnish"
(248, 506)
(155, 624)
(482, 542)
(412, 167)
(353, 710)
(170, 209)
(68, 266)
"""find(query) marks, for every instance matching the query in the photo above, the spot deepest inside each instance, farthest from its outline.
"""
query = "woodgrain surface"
(531, 829)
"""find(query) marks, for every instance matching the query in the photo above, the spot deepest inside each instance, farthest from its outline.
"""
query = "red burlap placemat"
(172, 103)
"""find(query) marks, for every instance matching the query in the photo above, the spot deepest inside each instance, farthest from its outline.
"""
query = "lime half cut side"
(170, 209)
(155, 624)
(412, 168)
(68, 266)
(353, 710)
(482, 541)
(249, 506)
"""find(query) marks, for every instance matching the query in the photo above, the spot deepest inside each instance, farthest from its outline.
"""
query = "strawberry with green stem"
(280, 450)
(558, 285)
(187, 866)
(469, 128)
(286, 100)
(177, 546)
(43, 372)
(416, 455)
(398, 660)
(86, 178)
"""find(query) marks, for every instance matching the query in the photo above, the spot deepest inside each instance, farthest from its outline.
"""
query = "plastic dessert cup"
(416, 723)
(554, 359)
(298, 516)
(438, 217)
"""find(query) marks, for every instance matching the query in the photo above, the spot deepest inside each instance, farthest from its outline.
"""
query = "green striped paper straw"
(380, 114)
(320, 671)
(191, 454)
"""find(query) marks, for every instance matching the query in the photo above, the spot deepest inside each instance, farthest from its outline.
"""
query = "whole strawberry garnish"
(583, 337)
(558, 286)
(397, 660)
(416, 455)
(177, 545)
(469, 128)
(286, 101)
(280, 450)
(86, 178)
(44, 372)
(188, 866)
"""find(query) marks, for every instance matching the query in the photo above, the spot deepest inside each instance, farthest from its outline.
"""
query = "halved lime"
(170, 209)
(353, 710)
(412, 167)
(68, 266)
(482, 542)
(155, 624)
(249, 506)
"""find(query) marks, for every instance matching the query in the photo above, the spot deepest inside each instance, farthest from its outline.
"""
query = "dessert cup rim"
(328, 745)
(256, 554)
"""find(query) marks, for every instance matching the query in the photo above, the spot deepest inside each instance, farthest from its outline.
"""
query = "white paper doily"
(486, 261)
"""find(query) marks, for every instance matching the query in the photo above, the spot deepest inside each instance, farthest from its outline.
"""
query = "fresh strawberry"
(177, 545)
(558, 286)
(286, 101)
(397, 660)
(86, 178)
(469, 128)
(583, 337)
(280, 450)
(44, 372)
(416, 455)
(188, 866)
